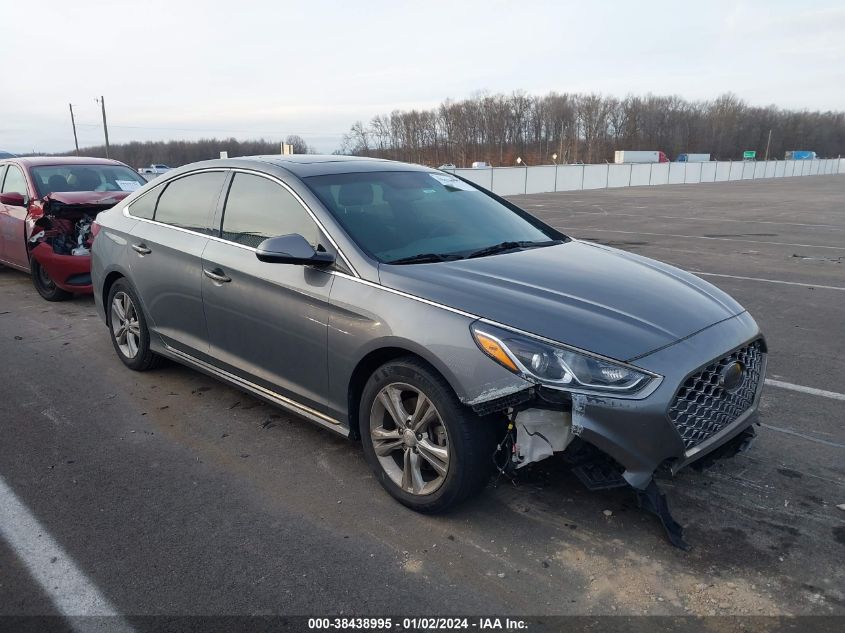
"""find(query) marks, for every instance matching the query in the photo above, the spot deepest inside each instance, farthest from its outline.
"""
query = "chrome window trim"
(297, 197)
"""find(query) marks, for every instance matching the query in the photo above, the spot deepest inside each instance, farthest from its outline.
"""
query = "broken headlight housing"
(559, 366)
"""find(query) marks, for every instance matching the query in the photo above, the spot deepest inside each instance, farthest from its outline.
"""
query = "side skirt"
(257, 390)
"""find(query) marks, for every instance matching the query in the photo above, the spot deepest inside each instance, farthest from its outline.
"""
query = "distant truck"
(693, 158)
(628, 156)
(155, 169)
(800, 154)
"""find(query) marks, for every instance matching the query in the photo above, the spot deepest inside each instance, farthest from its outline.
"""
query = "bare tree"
(300, 146)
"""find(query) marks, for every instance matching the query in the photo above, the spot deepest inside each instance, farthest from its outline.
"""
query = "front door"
(267, 322)
(13, 220)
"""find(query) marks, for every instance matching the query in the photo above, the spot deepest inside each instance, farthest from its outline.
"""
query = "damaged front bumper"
(60, 235)
(68, 272)
(688, 416)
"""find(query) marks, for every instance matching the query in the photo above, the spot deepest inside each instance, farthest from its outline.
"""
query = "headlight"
(556, 365)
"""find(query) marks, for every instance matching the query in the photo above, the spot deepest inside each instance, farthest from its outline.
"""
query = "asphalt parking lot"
(171, 493)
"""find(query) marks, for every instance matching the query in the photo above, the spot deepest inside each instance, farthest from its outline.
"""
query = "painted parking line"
(582, 229)
(67, 587)
(770, 281)
(810, 438)
(802, 389)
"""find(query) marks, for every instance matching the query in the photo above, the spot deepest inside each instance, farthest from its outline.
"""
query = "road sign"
(749, 155)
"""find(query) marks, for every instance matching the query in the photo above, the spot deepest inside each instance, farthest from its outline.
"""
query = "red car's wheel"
(45, 286)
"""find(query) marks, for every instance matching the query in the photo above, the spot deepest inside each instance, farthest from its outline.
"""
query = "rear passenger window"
(258, 208)
(145, 206)
(189, 202)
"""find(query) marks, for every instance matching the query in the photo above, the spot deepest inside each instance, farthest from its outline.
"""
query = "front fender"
(366, 317)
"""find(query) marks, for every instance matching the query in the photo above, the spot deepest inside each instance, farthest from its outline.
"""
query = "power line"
(183, 129)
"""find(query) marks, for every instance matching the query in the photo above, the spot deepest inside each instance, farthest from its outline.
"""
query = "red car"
(47, 207)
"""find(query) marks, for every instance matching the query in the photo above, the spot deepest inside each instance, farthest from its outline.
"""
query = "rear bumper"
(68, 272)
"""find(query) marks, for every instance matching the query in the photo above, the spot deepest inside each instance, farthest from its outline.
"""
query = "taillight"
(95, 228)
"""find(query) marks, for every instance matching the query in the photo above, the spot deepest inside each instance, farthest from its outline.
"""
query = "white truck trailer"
(628, 156)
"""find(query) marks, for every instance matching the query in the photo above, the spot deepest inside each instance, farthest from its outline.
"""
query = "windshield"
(424, 216)
(53, 178)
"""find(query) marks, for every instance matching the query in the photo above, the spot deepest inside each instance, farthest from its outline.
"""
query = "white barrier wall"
(677, 172)
(481, 177)
(595, 177)
(640, 174)
(619, 175)
(708, 172)
(769, 170)
(510, 181)
(692, 173)
(570, 177)
(660, 173)
(541, 179)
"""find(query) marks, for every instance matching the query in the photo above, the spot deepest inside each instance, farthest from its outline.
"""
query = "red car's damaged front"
(60, 235)
(47, 211)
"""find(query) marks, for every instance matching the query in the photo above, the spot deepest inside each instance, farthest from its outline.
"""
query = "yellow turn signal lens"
(495, 351)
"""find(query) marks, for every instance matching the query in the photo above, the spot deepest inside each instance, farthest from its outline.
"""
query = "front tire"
(128, 327)
(426, 449)
(45, 285)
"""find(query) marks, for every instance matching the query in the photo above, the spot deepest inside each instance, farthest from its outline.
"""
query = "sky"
(253, 69)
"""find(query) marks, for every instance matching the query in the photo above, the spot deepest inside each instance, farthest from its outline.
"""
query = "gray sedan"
(448, 329)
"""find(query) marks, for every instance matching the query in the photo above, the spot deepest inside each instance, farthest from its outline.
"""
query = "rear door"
(165, 260)
(13, 219)
(267, 322)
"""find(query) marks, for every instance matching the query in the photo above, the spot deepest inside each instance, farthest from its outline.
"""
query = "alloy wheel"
(125, 325)
(409, 439)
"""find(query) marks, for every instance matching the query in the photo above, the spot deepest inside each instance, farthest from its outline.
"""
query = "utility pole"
(73, 123)
(767, 145)
(105, 125)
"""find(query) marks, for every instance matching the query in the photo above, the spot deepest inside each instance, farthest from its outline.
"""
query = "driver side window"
(15, 182)
(258, 208)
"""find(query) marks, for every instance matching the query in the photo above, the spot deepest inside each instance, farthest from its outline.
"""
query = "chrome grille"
(703, 407)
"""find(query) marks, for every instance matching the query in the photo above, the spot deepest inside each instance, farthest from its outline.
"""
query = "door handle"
(141, 249)
(216, 275)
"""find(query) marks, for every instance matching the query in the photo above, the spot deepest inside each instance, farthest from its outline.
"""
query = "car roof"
(304, 165)
(40, 161)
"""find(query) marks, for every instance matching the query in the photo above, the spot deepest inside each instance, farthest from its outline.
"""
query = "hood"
(82, 200)
(593, 297)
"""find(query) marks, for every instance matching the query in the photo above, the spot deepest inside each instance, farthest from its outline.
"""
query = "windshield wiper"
(509, 246)
(425, 258)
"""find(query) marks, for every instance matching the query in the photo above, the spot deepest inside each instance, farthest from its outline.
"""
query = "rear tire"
(439, 454)
(45, 286)
(128, 328)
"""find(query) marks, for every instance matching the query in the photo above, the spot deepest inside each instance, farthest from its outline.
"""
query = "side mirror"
(13, 199)
(291, 249)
